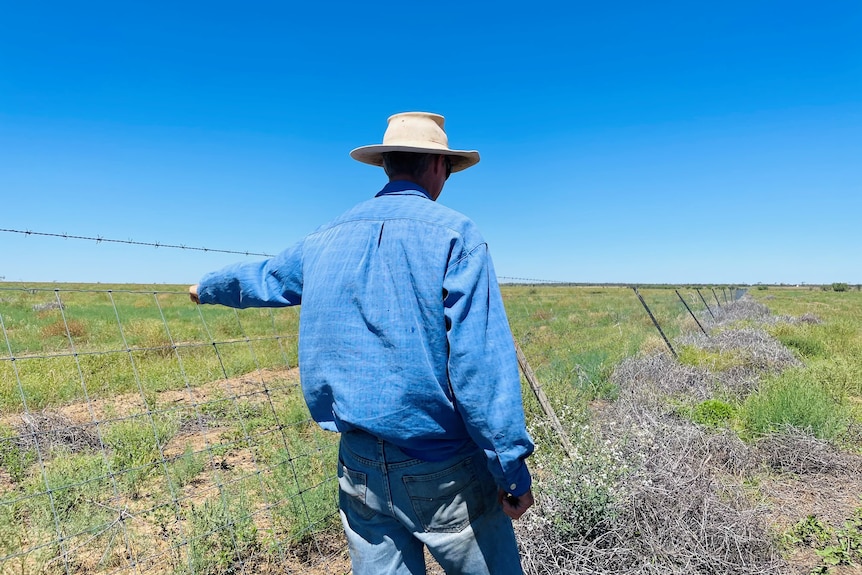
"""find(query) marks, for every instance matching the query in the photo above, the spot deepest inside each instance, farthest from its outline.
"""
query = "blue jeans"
(393, 505)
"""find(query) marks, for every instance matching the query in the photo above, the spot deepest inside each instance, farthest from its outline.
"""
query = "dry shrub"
(796, 451)
(757, 349)
(42, 308)
(76, 328)
(748, 310)
(744, 308)
(682, 508)
(676, 515)
(48, 429)
(651, 380)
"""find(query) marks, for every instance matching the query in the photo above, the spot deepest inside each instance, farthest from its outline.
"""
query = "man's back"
(373, 339)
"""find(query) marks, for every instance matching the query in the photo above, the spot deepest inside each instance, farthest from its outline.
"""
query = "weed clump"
(713, 413)
(794, 400)
(73, 327)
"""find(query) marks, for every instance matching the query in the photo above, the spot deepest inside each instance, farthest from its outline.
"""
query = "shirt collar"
(403, 188)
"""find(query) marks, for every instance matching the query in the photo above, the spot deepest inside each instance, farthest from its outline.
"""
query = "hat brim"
(373, 155)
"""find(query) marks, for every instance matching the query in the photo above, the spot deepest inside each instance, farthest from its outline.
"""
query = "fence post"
(691, 313)
(715, 296)
(543, 400)
(654, 321)
(704, 302)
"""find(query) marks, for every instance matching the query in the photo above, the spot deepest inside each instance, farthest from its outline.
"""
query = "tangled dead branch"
(651, 380)
(49, 429)
(676, 514)
(744, 308)
(748, 310)
(755, 348)
(797, 451)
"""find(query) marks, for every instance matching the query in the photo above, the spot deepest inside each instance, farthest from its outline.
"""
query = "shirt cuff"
(520, 482)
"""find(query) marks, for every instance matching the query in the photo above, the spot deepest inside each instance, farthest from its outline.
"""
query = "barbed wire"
(100, 239)
(529, 280)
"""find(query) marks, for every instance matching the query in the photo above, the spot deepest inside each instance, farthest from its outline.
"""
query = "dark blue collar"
(404, 188)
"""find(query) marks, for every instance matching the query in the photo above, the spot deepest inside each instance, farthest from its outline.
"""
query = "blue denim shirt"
(402, 329)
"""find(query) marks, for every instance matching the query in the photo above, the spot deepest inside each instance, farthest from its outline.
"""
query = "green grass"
(221, 534)
(136, 447)
(797, 399)
(121, 352)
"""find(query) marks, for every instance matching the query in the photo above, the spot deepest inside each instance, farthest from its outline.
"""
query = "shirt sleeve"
(275, 282)
(483, 369)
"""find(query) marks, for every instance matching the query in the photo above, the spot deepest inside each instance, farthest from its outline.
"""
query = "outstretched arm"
(276, 282)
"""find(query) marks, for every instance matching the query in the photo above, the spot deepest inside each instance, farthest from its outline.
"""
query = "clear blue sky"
(621, 141)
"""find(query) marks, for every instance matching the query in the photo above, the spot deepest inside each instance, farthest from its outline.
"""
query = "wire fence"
(142, 434)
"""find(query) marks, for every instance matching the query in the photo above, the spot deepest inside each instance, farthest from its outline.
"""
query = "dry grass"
(60, 328)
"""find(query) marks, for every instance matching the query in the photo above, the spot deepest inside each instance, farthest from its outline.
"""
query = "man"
(404, 348)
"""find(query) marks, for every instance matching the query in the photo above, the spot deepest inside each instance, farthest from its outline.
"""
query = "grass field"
(141, 433)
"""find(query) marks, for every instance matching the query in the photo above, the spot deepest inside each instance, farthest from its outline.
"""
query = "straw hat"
(418, 132)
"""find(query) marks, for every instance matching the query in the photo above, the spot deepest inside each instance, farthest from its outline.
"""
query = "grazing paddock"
(142, 434)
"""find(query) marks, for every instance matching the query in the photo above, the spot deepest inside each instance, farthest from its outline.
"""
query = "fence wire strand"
(101, 239)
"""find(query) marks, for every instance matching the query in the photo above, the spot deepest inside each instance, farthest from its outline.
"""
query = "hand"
(193, 294)
(513, 506)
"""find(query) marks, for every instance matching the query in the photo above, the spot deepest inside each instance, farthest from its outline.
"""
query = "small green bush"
(306, 492)
(840, 286)
(73, 485)
(222, 536)
(136, 447)
(581, 495)
(713, 413)
(184, 469)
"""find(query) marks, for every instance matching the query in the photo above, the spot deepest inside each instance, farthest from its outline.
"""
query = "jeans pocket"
(446, 501)
(352, 491)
